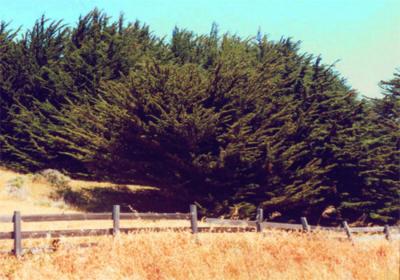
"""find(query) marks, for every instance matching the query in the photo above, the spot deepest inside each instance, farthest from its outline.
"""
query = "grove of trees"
(226, 122)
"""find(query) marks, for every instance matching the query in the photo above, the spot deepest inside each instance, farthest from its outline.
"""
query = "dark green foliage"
(229, 123)
(380, 166)
(53, 66)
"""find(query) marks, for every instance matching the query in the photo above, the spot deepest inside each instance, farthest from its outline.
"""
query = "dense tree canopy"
(229, 123)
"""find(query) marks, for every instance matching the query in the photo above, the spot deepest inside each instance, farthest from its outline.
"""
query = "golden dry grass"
(274, 255)
(38, 200)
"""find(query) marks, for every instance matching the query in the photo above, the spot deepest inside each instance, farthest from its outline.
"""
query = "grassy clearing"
(39, 199)
(272, 255)
(275, 255)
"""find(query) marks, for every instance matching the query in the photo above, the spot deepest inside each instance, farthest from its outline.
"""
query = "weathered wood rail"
(303, 227)
(213, 225)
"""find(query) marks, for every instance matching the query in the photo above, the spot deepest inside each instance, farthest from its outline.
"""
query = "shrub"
(16, 188)
(54, 177)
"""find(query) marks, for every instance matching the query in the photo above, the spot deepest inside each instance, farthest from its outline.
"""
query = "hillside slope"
(37, 195)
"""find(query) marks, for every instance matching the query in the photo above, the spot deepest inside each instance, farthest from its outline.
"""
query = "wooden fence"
(215, 225)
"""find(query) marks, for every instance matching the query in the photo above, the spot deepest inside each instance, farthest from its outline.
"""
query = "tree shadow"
(101, 199)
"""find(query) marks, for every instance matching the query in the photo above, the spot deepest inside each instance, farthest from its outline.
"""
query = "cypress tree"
(230, 123)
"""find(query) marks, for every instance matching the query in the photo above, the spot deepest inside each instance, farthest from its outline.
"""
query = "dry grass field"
(39, 201)
(36, 202)
(274, 255)
(168, 255)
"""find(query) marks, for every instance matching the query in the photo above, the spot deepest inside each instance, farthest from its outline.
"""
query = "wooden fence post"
(193, 218)
(305, 225)
(17, 234)
(115, 217)
(259, 219)
(347, 230)
(386, 230)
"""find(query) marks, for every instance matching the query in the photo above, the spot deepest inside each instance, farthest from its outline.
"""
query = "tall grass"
(272, 255)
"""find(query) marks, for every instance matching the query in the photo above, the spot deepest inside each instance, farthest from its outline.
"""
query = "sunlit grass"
(273, 255)
(39, 199)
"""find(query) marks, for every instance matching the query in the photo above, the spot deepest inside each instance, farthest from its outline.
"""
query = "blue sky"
(363, 34)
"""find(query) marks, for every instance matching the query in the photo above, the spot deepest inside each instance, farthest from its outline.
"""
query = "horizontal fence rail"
(213, 225)
(367, 229)
(96, 216)
(109, 231)
(282, 226)
(321, 228)
(286, 226)
(223, 222)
